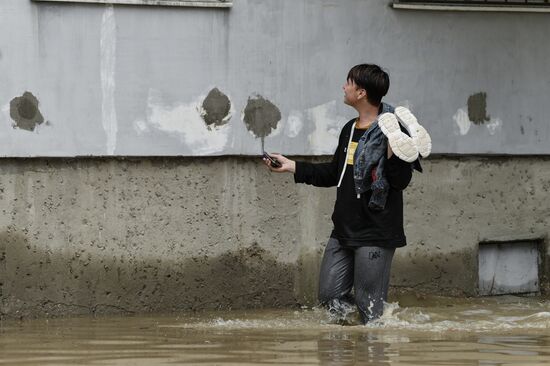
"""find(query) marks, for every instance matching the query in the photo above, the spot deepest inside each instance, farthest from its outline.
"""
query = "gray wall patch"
(25, 113)
(216, 108)
(261, 117)
(477, 108)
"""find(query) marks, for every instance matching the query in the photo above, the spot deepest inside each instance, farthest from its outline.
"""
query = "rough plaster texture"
(461, 201)
(81, 236)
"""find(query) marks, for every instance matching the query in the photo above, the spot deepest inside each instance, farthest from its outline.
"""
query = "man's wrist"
(292, 168)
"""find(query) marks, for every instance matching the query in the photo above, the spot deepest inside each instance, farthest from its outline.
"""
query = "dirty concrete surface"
(125, 236)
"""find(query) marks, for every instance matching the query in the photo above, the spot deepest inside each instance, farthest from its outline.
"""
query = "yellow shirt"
(352, 147)
(351, 151)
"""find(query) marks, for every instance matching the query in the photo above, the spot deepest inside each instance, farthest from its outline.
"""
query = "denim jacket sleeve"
(398, 172)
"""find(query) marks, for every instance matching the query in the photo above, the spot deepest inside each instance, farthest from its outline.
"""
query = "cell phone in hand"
(272, 161)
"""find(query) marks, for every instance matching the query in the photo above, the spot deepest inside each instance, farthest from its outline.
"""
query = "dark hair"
(371, 78)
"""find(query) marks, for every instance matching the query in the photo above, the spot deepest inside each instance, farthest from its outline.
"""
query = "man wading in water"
(372, 165)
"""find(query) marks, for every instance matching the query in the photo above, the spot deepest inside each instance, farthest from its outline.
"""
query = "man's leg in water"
(336, 279)
(372, 279)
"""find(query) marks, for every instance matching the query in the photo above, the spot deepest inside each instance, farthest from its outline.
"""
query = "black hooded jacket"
(354, 223)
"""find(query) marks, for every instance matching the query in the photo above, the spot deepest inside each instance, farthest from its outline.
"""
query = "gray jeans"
(365, 269)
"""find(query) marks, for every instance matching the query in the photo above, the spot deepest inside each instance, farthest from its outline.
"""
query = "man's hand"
(287, 165)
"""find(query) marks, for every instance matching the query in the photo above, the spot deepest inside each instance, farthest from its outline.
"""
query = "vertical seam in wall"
(108, 62)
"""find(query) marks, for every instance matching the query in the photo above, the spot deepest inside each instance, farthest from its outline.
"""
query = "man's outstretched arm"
(317, 174)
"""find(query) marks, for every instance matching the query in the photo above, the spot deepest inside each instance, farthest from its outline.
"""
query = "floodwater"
(505, 330)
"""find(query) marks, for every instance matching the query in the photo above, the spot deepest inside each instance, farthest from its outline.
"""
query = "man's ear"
(362, 94)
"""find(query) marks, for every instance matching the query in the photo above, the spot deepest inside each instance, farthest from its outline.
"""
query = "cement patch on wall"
(80, 236)
(25, 113)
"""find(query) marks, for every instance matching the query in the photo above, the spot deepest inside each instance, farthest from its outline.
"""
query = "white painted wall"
(130, 80)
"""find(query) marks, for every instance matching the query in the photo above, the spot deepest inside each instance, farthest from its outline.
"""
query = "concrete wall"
(168, 234)
(82, 79)
(153, 234)
(461, 202)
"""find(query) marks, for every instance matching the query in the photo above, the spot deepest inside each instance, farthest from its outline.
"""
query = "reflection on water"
(494, 331)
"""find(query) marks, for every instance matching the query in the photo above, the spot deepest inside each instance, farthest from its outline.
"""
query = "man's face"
(352, 93)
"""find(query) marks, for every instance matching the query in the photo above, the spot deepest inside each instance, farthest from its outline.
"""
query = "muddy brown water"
(504, 330)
